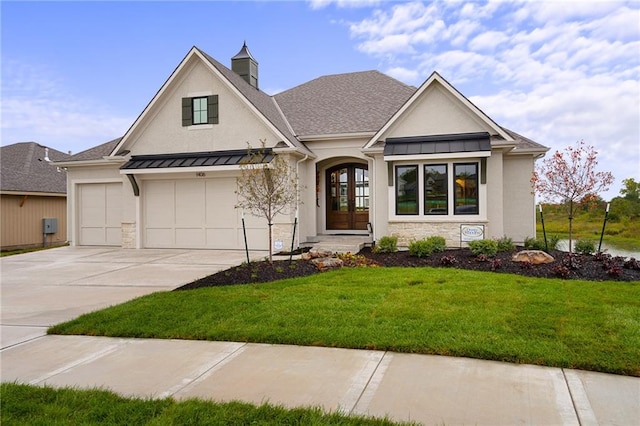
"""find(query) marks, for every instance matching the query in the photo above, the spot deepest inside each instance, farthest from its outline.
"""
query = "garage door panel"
(221, 201)
(159, 237)
(190, 203)
(99, 214)
(190, 237)
(159, 200)
(197, 213)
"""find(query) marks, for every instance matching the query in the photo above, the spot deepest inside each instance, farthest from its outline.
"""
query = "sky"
(77, 74)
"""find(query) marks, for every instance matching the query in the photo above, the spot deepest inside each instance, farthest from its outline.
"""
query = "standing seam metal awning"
(199, 159)
(438, 144)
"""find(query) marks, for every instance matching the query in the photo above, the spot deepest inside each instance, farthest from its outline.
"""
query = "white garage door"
(197, 213)
(100, 214)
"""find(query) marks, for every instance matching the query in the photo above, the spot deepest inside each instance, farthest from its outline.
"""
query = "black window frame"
(465, 209)
(416, 190)
(428, 211)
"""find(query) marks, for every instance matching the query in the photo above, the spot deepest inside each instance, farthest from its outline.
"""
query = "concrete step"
(340, 243)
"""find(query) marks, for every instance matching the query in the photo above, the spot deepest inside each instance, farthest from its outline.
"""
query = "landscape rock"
(535, 257)
(317, 254)
(326, 263)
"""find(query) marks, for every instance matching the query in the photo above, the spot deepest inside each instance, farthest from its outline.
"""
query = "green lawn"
(576, 324)
(32, 405)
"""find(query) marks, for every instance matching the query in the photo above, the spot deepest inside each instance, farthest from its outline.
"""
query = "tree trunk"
(270, 243)
(570, 226)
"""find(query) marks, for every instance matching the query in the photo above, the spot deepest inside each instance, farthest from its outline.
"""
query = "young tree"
(267, 188)
(569, 177)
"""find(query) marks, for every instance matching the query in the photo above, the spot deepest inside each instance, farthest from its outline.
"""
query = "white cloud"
(320, 4)
(553, 71)
(37, 107)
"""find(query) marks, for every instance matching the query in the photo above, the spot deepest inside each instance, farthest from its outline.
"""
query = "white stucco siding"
(495, 194)
(519, 202)
(437, 112)
(161, 130)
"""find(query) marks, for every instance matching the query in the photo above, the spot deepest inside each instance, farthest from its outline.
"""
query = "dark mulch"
(585, 267)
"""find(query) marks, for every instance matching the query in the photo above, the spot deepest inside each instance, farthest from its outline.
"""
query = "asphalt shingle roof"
(343, 103)
(24, 169)
(97, 152)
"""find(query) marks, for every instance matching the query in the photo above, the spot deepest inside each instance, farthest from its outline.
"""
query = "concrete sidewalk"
(421, 388)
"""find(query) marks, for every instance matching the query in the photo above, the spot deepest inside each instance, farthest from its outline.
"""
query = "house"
(32, 189)
(374, 156)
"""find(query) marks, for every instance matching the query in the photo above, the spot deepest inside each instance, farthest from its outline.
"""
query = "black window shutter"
(187, 111)
(212, 109)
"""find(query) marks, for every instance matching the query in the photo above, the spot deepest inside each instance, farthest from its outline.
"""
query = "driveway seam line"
(372, 385)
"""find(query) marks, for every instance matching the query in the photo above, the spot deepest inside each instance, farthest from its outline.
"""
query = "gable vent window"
(200, 110)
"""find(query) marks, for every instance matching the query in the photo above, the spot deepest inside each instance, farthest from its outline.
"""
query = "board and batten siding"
(22, 220)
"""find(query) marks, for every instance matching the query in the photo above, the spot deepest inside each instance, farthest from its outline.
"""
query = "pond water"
(609, 248)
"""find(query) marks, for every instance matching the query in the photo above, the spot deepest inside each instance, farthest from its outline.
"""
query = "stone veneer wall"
(283, 232)
(128, 235)
(408, 231)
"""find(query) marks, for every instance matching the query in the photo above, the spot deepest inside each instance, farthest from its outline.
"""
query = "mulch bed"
(566, 266)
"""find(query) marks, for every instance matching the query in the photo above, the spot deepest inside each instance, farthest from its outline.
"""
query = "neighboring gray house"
(31, 189)
(374, 156)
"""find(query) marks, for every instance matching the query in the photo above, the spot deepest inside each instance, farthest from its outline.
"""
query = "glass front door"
(348, 197)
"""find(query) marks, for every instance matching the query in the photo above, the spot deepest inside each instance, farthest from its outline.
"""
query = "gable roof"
(262, 103)
(359, 102)
(25, 169)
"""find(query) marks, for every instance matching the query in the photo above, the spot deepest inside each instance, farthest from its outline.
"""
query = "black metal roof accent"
(199, 159)
(438, 144)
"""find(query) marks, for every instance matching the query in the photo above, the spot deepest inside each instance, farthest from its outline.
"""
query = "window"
(435, 189)
(440, 189)
(466, 188)
(406, 190)
(200, 110)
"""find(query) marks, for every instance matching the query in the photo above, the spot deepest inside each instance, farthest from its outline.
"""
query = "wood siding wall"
(22, 225)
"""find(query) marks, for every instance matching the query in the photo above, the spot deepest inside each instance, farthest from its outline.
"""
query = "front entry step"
(340, 243)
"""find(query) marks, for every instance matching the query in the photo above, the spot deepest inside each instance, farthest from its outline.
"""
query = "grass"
(32, 405)
(4, 253)
(575, 324)
(624, 233)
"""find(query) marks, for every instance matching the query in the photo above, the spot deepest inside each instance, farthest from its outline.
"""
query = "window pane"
(466, 188)
(435, 189)
(407, 190)
(199, 110)
(362, 189)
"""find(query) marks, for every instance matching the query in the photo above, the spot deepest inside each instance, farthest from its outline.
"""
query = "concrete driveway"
(43, 288)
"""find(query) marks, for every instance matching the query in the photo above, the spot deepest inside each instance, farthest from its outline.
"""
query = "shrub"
(614, 271)
(427, 246)
(561, 271)
(538, 244)
(448, 260)
(505, 244)
(486, 247)
(386, 245)
(572, 261)
(585, 246)
(496, 264)
(632, 264)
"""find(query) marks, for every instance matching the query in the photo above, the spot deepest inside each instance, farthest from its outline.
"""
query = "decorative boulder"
(535, 257)
(317, 254)
(326, 263)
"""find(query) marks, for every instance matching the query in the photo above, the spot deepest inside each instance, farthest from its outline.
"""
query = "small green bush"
(386, 245)
(485, 247)
(427, 246)
(538, 244)
(505, 244)
(584, 246)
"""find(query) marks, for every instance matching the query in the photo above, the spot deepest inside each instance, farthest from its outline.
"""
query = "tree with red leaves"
(569, 177)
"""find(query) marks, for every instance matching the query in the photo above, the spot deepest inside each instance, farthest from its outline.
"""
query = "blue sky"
(77, 74)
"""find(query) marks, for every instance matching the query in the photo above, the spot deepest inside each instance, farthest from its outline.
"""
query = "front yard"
(563, 323)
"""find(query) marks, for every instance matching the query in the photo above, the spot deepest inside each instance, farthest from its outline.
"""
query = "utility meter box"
(49, 225)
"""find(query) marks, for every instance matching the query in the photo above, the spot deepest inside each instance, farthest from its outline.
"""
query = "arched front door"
(348, 197)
